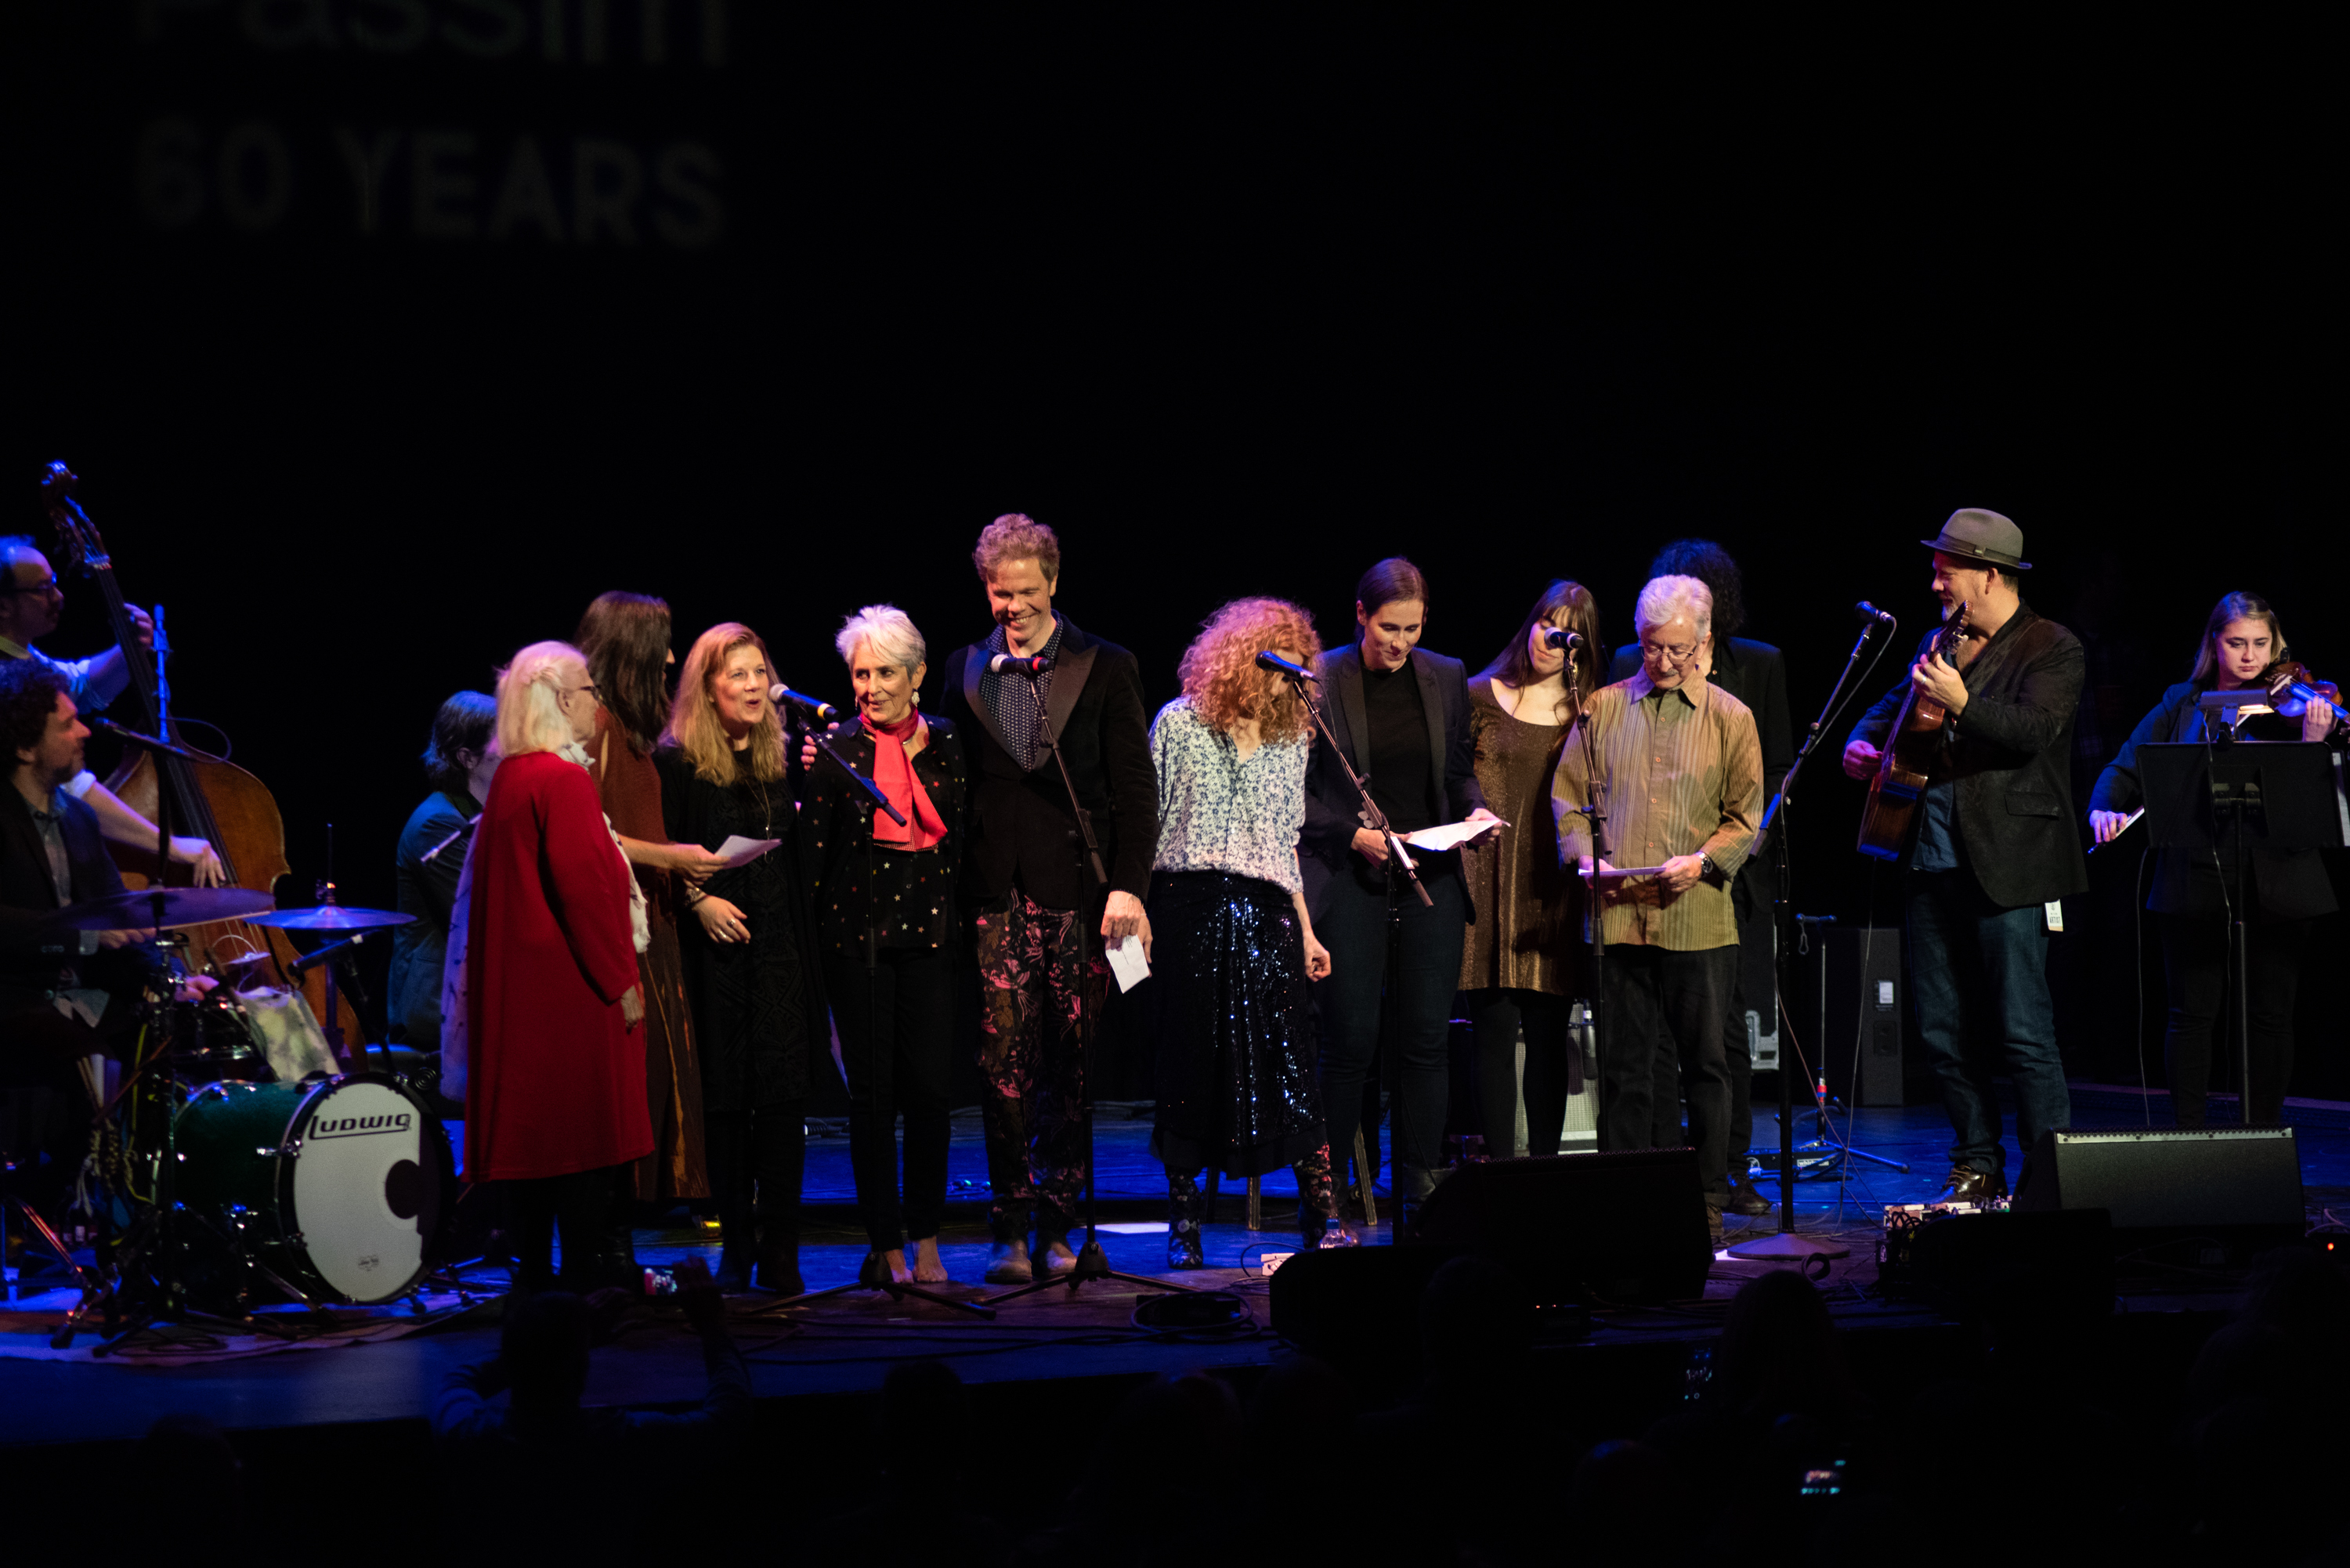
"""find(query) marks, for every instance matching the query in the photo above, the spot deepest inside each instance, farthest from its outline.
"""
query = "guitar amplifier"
(1865, 1007)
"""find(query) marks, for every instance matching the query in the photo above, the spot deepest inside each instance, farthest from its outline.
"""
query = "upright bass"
(1909, 753)
(216, 800)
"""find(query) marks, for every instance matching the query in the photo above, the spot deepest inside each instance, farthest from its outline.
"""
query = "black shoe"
(734, 1273)
(1745, 1200)
(779, 1263)
(1968, 1185)
(1183, 1249)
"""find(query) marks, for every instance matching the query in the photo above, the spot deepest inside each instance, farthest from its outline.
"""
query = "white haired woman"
(886, 927)
(749, 944)
(554, 1098)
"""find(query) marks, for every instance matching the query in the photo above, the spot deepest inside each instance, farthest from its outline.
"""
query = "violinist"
(2242, 646)
(30, 602)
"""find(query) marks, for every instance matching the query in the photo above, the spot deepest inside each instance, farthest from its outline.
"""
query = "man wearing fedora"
(1995, 850)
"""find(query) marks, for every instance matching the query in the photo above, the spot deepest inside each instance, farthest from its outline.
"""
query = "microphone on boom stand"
(1280, 666)
(1032, 666)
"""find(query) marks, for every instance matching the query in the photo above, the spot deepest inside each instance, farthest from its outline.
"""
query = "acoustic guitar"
(1910, 749)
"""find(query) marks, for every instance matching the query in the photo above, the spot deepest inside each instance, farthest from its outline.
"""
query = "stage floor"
(843, 1346)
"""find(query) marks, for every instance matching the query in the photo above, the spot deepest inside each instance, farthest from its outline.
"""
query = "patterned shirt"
(1217, 813)
(1017, 703)
(1680, 770)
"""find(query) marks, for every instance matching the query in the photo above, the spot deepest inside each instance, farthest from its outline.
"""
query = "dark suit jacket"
(1756, 674)
(2011, 754)
(31, 953)
(1333, 809)
(2293, 883)
(1019, 821)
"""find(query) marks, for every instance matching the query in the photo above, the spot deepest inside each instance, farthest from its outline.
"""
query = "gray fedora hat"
(1978, 535)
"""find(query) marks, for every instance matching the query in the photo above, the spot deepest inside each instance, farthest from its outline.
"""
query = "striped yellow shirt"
(1680, 770)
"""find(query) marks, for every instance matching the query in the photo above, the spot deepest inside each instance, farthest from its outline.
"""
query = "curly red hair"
(1220, 673)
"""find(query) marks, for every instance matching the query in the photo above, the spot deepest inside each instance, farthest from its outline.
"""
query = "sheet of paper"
(1127, 962)
(1452, 832)
(741, 851)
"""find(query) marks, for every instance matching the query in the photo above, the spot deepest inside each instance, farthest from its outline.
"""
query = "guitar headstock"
(79, 544)
(1955, 631)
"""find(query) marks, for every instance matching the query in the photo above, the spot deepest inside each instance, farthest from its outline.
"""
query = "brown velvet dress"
(1524, 935)
(677, 1169)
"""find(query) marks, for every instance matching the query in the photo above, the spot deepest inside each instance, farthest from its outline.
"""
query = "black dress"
(758, 1014)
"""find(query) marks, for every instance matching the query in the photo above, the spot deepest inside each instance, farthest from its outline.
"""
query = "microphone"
(1012, 664)
(1558, 639)
(1869, 612)
(1280, 666)
(814, 707)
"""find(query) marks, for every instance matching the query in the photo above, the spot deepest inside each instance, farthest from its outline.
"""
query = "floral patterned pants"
(1030, 1056)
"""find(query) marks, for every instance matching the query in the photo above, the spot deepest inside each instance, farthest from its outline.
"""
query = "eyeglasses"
(43, 588)
(1671, 653)
(591, 687)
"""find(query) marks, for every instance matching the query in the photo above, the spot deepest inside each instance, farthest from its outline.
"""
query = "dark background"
(1237, 306)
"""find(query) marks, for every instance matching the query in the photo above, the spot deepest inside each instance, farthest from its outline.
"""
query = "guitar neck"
(135, 655)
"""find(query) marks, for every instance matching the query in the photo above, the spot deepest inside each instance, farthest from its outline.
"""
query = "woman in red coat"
(556, 1101)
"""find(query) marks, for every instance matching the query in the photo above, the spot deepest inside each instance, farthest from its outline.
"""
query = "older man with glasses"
(30, 603)
(1679, 779)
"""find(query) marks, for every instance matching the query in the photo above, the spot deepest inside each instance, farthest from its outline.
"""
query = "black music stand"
(2275, 795)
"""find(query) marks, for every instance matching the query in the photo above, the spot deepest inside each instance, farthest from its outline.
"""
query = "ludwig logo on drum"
(358, 1127)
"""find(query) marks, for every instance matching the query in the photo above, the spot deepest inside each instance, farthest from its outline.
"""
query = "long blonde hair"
(529, 717)
(693, 726)
(1220, 673)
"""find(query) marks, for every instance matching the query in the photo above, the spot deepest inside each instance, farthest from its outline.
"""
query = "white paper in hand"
(740, 851)
(1433, 839)
(1127, 962)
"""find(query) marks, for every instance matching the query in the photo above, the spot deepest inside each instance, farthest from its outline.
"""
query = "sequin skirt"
(1232, 1020)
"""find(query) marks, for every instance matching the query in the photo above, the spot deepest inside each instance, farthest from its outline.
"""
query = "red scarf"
(894, 773)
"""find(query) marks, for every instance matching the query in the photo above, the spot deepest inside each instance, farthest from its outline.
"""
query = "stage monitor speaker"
(1864, 1004)
(2236, 1187)
(1356, 1308)
(1626, 1226)
(2055, 1266)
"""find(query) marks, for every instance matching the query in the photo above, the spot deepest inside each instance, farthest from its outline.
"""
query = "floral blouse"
(1217, 813)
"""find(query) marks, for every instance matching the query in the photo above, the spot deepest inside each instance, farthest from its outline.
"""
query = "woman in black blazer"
(884, 903)
(2285, 890)
(1401, 714)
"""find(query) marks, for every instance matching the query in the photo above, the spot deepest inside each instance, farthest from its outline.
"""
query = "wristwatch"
(1705, 863)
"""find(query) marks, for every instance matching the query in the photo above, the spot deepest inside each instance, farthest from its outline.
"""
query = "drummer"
(63, 995)
(30, 601)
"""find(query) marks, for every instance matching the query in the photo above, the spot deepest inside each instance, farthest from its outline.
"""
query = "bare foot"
(1007, 1263)
(1058, 1258)
(927, 1270)
(896, 1259)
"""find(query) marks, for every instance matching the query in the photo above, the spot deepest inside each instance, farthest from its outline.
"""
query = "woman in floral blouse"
(1235, 948)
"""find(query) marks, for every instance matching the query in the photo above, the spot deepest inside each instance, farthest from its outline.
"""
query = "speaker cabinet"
(1624, 1226)
(2238, 1188)
(1864, 1006)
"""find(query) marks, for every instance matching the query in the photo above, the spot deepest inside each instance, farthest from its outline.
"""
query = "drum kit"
(256, 1165)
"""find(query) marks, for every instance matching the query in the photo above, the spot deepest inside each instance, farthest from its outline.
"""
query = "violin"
(2292, 689)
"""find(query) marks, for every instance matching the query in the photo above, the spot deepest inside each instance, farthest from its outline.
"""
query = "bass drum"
(335, 1185)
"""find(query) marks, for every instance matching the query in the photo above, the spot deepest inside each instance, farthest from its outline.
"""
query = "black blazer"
(32, 952)
(2010, 752)
(1333, 809)
(2293, 883)
(836, 828)
(1019, 821)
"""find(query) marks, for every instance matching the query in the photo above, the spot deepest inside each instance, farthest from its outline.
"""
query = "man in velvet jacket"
(1995, 849)
(1400, 715)
(1022, 876)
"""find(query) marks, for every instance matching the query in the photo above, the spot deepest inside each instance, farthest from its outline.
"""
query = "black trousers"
(582, 1204)
(1663, 1043)
(896, 1026)
(2195, 976)
(1495, 1016)
(758, 1160)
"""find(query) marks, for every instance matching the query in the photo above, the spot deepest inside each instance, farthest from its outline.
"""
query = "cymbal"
(331, 917)
(181, 906)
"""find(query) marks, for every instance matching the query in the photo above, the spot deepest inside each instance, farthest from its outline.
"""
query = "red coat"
(558, 1081)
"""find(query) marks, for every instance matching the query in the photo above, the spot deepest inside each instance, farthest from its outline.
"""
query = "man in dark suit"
(1023, 879)
(1994, 850)
(1400, 716)
(1756, 674)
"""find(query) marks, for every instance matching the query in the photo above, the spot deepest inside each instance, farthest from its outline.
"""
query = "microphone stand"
(873, 1274)
(1092, 1263)
(1398, 858)
(1787, 1244)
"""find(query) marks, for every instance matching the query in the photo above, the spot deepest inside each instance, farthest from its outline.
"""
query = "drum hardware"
(329, 916)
